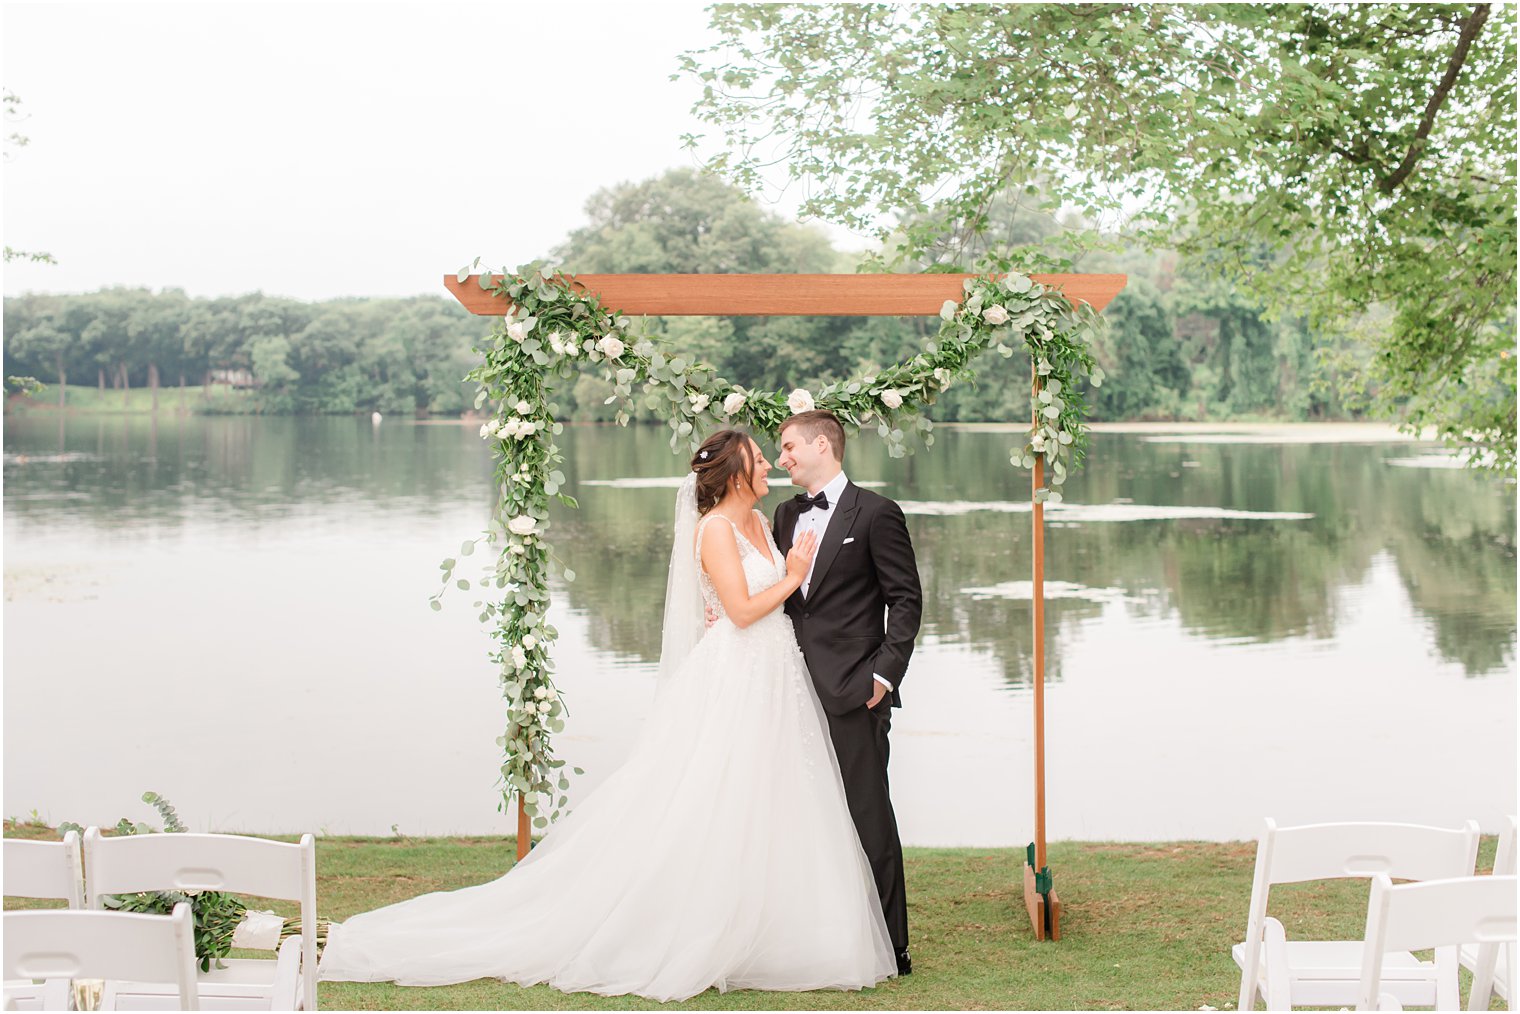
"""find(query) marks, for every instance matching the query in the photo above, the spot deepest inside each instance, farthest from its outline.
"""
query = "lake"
(1307, 623)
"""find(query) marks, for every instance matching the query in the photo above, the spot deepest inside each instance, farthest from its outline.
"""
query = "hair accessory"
(702, 455)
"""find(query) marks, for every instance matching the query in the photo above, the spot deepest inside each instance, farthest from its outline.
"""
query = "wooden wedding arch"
(880, 295)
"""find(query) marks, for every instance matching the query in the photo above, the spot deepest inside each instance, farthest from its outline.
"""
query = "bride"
(758, 880)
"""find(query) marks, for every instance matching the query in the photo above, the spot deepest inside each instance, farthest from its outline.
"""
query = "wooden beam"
(782, 295)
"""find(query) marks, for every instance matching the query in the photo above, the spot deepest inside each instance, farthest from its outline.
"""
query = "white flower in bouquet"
(800, 401)
(996, 314)
(530, 642)
(544, 707)
(611, 346)
(516, 331)
(891, 398)
(517, 550)
(1038, 443)
(699, 402)
(572, 346)
(523, 408)
(540, 693)
(522, 525)
(525, 428)
(733, 403)
(555, 345)
(519, 657)
(488, 429)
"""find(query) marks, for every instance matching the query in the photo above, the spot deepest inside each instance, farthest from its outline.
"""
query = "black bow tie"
(806, 503)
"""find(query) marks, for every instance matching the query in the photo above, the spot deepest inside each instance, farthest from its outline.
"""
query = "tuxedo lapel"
(840, 520)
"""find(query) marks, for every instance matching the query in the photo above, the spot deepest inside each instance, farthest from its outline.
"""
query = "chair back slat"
(44, 869)
(192, 862)
(1398, 851)
(1439, 913)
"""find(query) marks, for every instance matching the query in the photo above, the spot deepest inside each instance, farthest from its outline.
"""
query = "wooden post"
(1044, 908)
(1038, 596)
(524, 829)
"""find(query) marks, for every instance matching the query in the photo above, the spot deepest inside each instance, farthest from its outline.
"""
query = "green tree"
(1372, 144)
(685, 222)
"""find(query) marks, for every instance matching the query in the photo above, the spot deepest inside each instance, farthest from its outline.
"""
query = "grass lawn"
(1146, 926)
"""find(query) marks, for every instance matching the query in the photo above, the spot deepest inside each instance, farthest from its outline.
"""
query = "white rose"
(699, 402)
(995, 315)
(942, 378)
(522, 525)
(519, 657)
(611, 347)
(572, 346)
(525, 429)
(1038, 444)
(733, 403)
(517, 550)
(530, 642)
(544, 707)
(540, 693)
(552, 695)
(516, 332)
(510, 427)
(523, 408)
(799, 401)
(891, 398)
(486, 430)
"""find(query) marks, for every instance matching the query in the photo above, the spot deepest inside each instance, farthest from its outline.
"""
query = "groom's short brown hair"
(819, 423)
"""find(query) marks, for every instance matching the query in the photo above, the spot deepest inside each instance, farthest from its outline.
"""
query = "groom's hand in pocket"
(879, 691)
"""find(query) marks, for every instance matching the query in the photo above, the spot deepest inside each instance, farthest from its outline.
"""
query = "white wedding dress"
(722, 854)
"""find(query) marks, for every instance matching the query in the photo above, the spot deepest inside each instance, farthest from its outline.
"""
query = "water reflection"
(1238, 540)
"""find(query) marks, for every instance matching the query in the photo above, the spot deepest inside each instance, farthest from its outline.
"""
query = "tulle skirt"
(722, 854)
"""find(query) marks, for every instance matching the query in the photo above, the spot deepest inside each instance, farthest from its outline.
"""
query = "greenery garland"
(554, 329)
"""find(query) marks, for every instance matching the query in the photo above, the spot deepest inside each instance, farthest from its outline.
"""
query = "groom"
(856, 616)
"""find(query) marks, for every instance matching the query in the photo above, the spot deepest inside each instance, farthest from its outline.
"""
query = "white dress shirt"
(816, 521)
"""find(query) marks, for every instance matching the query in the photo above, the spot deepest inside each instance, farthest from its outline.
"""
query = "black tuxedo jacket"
(863, 606)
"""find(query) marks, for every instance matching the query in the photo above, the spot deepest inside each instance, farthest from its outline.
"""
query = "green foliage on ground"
(1146, 927)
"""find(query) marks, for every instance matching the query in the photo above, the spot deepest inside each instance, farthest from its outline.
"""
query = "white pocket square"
(846, 542)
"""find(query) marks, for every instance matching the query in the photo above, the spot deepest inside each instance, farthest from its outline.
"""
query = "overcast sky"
(326, 149)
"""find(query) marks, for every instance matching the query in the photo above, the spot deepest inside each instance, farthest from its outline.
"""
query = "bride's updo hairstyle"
(721, 457)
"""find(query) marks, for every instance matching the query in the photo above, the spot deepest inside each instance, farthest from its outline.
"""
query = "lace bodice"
(759, 573)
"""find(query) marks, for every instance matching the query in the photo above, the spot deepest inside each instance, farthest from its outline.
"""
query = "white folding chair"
(41, 869)
(63, 945)
(1491, 971)
(1326, 973)
(1439, 914)
(218, 862)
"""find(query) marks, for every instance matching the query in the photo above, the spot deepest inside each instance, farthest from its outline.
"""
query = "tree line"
(1181, 344)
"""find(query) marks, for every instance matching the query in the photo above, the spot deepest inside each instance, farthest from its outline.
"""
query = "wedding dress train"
(722, 853)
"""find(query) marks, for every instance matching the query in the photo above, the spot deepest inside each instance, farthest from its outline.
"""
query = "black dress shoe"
(904, 963)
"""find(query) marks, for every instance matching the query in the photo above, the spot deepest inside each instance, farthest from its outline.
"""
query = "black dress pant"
(860, 742)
